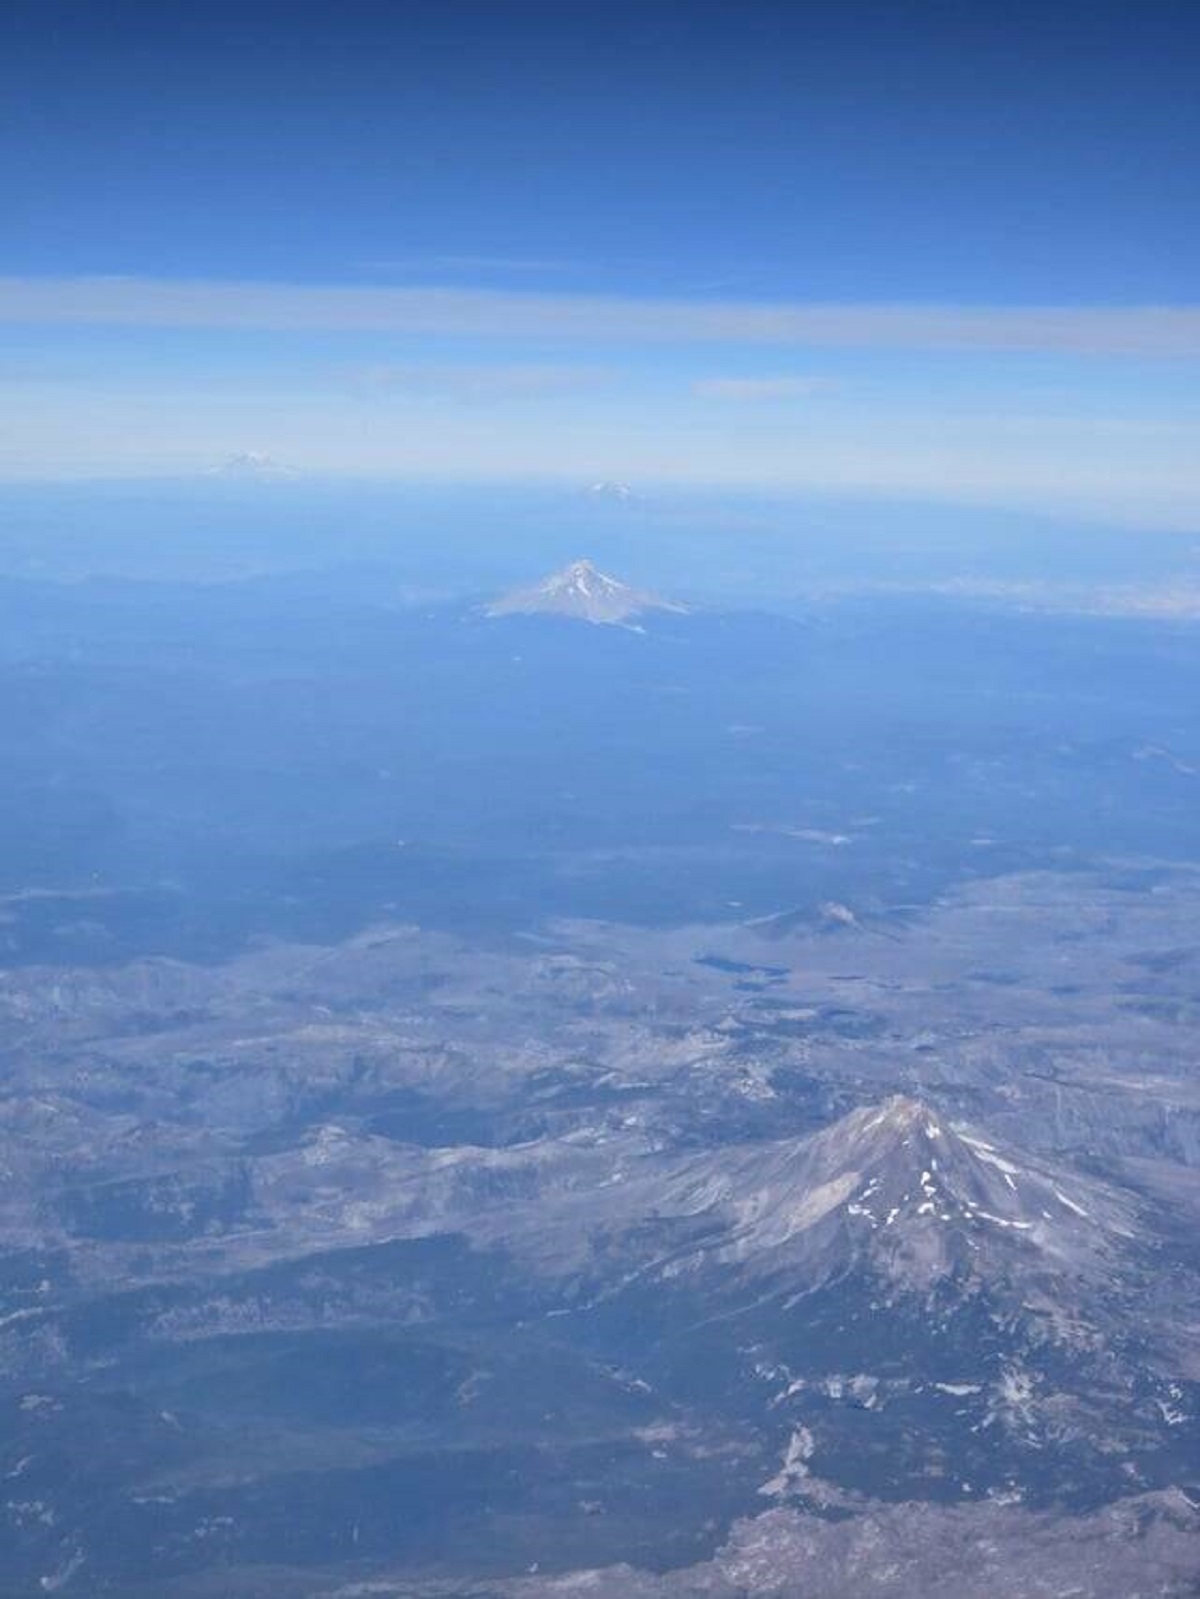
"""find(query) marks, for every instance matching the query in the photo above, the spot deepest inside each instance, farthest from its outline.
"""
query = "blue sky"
(931, 250)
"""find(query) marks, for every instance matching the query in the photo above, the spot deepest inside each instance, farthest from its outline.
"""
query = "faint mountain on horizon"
(617, 493)
(248, 465)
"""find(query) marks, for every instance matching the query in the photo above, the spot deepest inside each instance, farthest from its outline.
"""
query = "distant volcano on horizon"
(253, 465)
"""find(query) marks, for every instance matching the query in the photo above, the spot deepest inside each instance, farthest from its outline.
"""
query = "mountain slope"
(896, 1188)
(892, 1192)
(581, 591)
(923, 1315)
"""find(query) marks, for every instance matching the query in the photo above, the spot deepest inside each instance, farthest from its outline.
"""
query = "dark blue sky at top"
(894, 151)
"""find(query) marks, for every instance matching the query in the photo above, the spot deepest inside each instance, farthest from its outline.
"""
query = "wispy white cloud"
(471, 385)
(1155, 331)
(485, 384)
(753, 390)
(479, 264)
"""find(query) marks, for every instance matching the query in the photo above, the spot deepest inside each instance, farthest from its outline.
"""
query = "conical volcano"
(582, 592)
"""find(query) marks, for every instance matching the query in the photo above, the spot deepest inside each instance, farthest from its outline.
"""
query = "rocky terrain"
(700, 1103)
(717, 1260)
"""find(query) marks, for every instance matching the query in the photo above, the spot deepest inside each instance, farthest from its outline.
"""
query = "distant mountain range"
(581, 591)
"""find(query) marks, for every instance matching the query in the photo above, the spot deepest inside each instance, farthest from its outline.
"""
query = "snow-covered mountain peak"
(607, 489)
(899, 1116)
(918, 1168)
(582, 577)
(253, 464)
(582, 591)
(900, 1190)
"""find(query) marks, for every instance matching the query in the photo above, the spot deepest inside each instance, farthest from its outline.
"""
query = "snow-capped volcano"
(252, 464)
(900, 1287)
(897, 1191)
(620, 493)
(582, 591)
(928, 1197)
